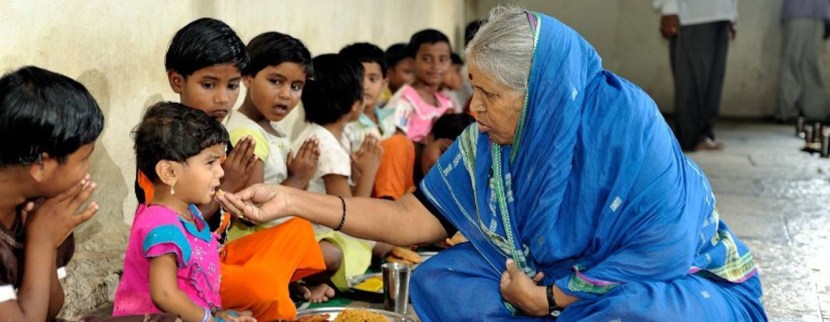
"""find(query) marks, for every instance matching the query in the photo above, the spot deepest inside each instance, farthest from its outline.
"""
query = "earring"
(172, 189)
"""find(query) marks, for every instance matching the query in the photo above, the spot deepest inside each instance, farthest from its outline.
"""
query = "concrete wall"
(116, 49)
(626, 35)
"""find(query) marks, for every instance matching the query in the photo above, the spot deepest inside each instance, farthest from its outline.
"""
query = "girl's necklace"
(12, 238)
(9, 239)
(187, 218)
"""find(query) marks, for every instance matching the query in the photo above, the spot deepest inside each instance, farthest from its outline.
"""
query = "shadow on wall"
(129, 203)
(100, 242)
(152, 100)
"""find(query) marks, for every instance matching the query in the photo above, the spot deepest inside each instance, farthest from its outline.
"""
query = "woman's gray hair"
(503, 47)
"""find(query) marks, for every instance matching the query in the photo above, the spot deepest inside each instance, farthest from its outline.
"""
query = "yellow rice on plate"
(358, 315)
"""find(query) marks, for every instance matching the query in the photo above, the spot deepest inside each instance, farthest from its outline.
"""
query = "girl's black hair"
(365, 52)
(174, 132)
(43, 111)
(456, 59)
(336, 86)
(471, 30)
(450, 126)
(425, 37)
(203, 43)
(273, 48)
(396, 53)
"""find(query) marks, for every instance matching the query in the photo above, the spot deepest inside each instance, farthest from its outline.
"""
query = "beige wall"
(625, 33)
(116, 49)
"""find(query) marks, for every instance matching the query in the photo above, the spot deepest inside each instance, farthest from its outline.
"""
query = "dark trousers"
(800, 87)
(698, 57)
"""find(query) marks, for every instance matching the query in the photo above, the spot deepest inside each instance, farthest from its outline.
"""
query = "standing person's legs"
(789, 85)
(718, 44)
(686, 103)
(672, 54)
(812, 100)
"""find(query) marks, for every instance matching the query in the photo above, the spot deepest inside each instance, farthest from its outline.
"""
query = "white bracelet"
(207, 316)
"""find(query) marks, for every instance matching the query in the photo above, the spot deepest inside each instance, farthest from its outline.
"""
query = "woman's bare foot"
(317, 293)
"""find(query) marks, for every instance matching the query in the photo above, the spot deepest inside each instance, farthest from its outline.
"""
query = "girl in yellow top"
(261, 261)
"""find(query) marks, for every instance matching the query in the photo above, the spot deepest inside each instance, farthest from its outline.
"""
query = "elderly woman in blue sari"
(571, 188)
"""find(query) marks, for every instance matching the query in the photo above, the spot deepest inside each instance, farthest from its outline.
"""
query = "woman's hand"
(258, 203)
(238, 165)
(51, 220)
(302, 165)
(523, 292)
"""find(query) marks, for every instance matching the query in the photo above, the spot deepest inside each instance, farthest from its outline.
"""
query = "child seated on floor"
(405, 163)
(204, 64)
(48, 125)
(377, 122)
(282, 251)
(332, 99)
(418, 105)
(399, 168)
(374, 121)
(171, 263)
(444, 132)
(453, 82)
(400, 71)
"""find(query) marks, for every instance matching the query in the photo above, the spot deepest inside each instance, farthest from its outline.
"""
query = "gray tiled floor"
(776, 199)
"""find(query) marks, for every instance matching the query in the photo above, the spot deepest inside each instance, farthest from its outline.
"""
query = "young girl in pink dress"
(172, 262)
(416, 107)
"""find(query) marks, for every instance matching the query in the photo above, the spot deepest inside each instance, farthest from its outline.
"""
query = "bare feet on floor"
(317, 293)
(709, 145)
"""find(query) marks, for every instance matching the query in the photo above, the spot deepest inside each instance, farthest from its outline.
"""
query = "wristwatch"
(553, 309)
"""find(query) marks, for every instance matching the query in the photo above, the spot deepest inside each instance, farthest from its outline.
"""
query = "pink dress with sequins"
(413, 115)
(158, 231)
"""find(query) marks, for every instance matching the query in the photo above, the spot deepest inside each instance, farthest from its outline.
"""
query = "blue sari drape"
(594, 192)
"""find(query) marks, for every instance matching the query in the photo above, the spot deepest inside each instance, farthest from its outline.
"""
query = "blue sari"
(595, 193)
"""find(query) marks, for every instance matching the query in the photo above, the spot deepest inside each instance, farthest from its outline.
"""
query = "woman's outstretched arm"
(401, 222)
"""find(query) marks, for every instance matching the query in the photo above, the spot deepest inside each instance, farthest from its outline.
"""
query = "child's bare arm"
(337, 185)
(56, 295)
(165, 292)
(47, 225)
(32, 302)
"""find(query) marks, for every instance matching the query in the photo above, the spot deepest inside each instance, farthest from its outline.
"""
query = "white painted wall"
(625, 33)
